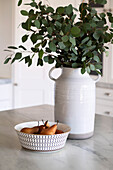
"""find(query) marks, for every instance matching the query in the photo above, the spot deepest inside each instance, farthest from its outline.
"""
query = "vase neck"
(72, 73)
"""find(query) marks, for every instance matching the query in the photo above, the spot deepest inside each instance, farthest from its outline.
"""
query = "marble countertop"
(5, 81)
(95, 153)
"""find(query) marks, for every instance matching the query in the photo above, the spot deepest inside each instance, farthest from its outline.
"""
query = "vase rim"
(71, 68)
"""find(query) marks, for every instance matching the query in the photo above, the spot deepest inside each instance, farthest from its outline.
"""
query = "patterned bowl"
(42, 143)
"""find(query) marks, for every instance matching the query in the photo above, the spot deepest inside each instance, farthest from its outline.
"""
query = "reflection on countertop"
(5, 81)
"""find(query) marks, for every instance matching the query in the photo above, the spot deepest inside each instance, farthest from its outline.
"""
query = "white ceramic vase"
(75, 101)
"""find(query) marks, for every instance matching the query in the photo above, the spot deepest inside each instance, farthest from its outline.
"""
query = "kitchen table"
(95, 153)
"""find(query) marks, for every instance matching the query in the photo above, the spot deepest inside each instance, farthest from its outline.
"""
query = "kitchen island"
(95, 153)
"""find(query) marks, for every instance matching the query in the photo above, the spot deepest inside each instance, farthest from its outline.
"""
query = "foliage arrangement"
(66, 36)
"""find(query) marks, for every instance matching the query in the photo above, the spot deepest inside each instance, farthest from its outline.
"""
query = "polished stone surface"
(95, 153)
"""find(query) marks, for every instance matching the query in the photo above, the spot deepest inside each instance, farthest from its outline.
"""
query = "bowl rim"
(41, 134)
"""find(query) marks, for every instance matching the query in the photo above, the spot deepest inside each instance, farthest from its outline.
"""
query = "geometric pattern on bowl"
(42, 143)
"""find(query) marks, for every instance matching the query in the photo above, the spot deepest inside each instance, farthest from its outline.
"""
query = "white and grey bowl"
(42, 143)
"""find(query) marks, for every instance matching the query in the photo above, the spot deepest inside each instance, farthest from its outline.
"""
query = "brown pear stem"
(46, 123)
(57, 122)
(43, 121)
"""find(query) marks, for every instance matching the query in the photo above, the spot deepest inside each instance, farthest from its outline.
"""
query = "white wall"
(5, 35)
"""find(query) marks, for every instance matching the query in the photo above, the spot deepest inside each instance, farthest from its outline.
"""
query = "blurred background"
(21, 86)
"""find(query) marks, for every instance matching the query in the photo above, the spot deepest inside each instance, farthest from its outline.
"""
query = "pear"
(32, 130)
(59, 131)
(49, 131)
(41, 127)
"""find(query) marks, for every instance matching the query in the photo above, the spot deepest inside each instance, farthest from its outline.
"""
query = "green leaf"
(102, 15)
(112, 25)
(74, 58)
(60, 10)
(7, 60)
(89, 43)
(50, 9)
(24, 38)
(37, 45)
(92, 47)
(46, 58)
(49, 30)
(88, 70)
(27, 59)
(96, 58)
(72, 40)
(92, 67)
(69, 9)
(35, 50)
(25, 13)
(22, 47)
(98, 66)
(65, 38)
(12, 47)
(18, 56)
(37, 23)
(74, 65)
(75, 51)
(40, 54)
(83, 70)
(30, 62)
(19, 2)
(61, 33)
(73, 17)
(34, 38)
(33, 4)
(82, 6)
(58, 24)
(85, 40)
(40, 62)
(75, 31)
(96, 35)
(44, 43)
(83, 59)
(61, 44)
(102, 2)
(52, 46)
(49, 59)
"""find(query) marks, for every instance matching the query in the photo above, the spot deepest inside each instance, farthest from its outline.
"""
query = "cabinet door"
(28, 82)
(110, 65)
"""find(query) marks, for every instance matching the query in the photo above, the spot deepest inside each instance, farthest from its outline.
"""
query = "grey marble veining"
(95, 153)
(5, 81)
(104, 85)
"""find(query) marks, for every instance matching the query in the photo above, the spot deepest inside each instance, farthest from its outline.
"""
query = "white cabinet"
(5, 97)
(104, 101)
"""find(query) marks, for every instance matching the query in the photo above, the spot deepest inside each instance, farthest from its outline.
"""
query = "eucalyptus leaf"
(65, 38)
(102, 2)
(40, 54)
(61, 44)
(37, 23)
(19, 2)
(75, 31)
(25, 13)
(72, 40)
(60, 10)
(7, 60)
(52, 46)
(12, 47)
(74, 65)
